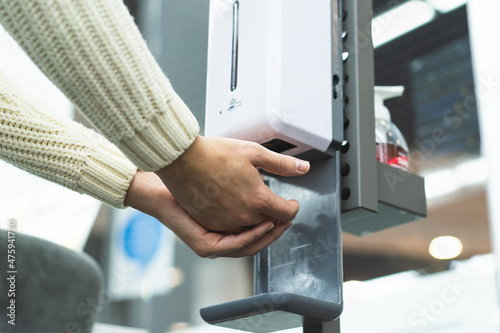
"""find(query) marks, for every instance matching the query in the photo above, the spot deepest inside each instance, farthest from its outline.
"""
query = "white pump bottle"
(391, 145)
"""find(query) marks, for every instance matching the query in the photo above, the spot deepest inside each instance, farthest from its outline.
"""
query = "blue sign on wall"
(142, 238)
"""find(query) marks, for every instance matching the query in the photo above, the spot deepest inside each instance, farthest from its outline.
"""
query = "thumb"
(280, 164)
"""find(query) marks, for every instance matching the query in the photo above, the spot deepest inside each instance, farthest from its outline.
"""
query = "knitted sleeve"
(94, 53)
(60, 150)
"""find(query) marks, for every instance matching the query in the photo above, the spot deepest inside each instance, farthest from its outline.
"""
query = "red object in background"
(392, 155)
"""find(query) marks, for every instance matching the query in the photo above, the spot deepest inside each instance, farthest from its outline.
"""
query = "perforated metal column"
(298, 278)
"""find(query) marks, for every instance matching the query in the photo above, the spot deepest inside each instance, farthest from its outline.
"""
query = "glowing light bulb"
(445, 247)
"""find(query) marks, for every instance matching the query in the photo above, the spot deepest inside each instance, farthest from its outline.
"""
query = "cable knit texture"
(94, 53)
(60, 150)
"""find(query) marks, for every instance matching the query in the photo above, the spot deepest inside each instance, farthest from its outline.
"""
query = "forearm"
(60, 150)
(148, 194)
(94, 53)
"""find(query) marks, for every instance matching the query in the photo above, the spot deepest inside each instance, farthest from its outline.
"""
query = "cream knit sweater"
(94, 53)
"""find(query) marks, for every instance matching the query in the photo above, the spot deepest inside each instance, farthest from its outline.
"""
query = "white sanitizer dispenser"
(269, 74)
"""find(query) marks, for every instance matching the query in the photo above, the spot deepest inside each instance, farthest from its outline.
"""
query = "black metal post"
(329, 327)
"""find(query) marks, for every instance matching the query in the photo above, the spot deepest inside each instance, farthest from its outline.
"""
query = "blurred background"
(424, 276)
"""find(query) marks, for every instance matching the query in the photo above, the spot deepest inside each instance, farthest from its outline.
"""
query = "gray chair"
(56, 290)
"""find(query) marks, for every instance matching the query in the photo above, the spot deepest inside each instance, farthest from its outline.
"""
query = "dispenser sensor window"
(234, 54)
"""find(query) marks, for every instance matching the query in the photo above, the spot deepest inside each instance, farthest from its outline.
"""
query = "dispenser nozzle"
(381, 94)
(386, 92)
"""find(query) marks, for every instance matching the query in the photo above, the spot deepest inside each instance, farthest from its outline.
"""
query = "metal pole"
(329, 327)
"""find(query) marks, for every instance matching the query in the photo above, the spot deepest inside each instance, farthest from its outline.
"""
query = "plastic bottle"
(391, 145)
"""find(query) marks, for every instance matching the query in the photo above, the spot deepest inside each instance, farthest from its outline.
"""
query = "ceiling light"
(445, 247)
(446, 181)
(445, 6)
(472, 172)
(400, 20)
(440, 183)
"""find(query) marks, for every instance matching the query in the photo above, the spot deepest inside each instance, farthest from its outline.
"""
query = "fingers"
(261, 243)
(247, 243)
(209, 244)
(279, 208)
(231, 243)
(279, 164)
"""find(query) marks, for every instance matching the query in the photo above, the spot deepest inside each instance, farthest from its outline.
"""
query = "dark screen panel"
(443, 101)
(437, 113)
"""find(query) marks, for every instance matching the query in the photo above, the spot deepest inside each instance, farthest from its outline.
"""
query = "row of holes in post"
(345, 169)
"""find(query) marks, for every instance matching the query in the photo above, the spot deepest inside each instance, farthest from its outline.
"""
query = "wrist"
(184, 163)
(147, 194)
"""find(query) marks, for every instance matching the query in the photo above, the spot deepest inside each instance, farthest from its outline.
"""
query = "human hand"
(217, 182)
(148, 194)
